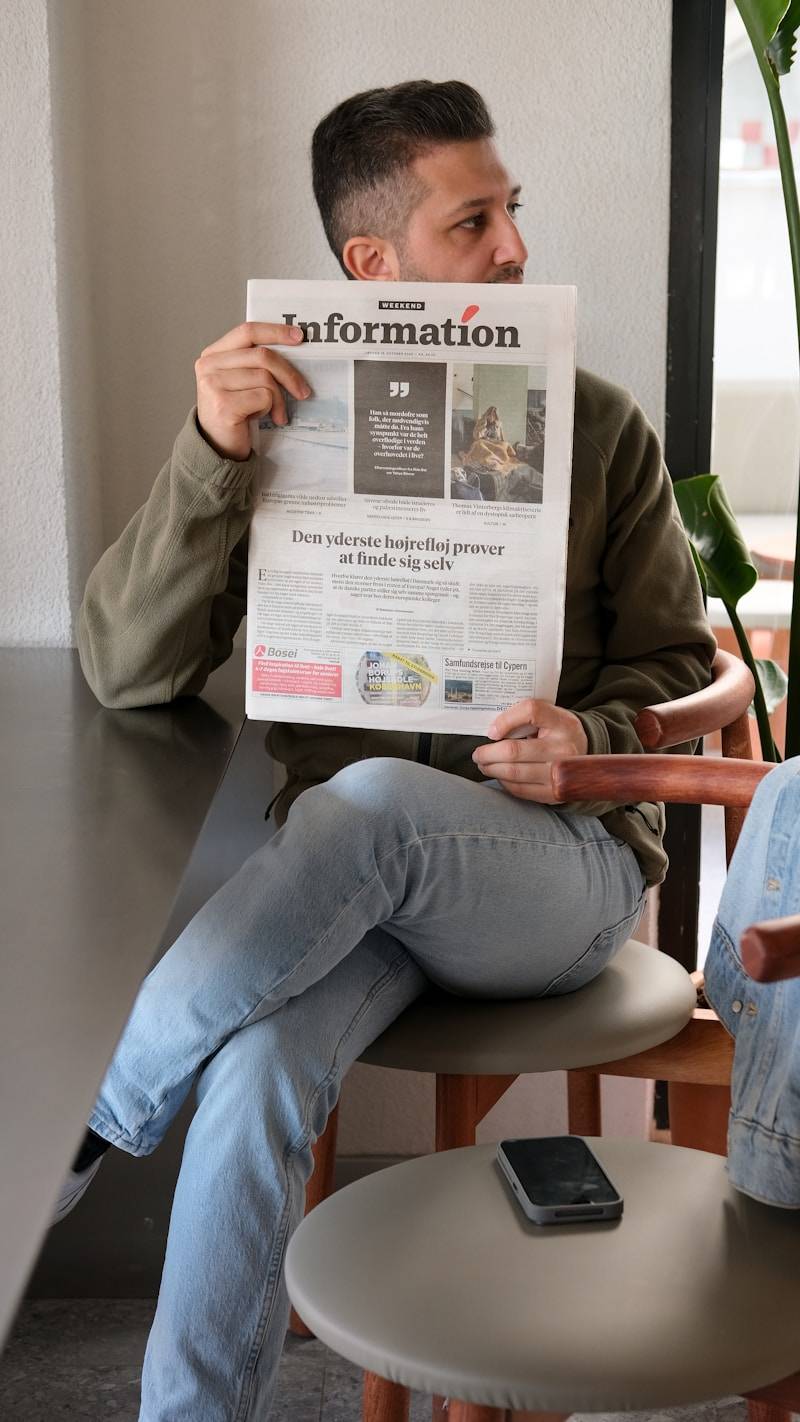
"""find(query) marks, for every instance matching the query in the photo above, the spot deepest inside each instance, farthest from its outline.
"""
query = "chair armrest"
(679, 779)
(771, 950)
(690, 717)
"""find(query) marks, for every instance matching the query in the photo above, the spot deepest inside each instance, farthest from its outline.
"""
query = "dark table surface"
(101, 812)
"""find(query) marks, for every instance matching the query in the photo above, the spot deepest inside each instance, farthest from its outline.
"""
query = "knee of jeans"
(380, 776)
(361, 790)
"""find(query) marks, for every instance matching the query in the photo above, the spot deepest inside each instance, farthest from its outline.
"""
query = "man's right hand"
(237, 379)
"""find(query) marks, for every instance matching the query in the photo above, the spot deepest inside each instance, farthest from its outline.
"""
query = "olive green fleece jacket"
(164, 602)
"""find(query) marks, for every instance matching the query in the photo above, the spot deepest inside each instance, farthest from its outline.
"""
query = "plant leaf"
(715, 537)
(700, 567)
(780, 49)
(774, 683)
(772, 25)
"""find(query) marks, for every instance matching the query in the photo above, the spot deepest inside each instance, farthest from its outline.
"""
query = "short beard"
(408, 272)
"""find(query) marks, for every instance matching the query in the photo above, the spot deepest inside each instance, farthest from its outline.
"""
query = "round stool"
(429, 1275)
(643, 998)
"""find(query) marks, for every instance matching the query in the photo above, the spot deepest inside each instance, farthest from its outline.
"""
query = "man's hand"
(523, 766)
(237, 379)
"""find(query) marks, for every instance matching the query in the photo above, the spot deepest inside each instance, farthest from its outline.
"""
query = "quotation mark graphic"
(398, 387)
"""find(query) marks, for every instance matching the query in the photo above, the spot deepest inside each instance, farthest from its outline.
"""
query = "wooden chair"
(618, 1025)
(740, 1241)
(771, 950)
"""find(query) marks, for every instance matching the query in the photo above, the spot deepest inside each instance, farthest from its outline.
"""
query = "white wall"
(183, 129)
(179, 164)
(756, 440)
(34, 603)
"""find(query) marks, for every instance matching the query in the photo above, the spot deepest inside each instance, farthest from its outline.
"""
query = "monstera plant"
(727, 571)
(721, 555)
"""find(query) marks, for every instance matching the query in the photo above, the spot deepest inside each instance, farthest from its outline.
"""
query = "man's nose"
(510, 248)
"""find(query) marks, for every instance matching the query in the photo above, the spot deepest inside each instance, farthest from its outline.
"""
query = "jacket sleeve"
(657, 639)
(162, 606)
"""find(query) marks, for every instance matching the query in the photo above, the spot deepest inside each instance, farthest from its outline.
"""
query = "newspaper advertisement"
(408, 548)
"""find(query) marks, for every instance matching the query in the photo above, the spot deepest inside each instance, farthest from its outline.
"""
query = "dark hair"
(366, 142)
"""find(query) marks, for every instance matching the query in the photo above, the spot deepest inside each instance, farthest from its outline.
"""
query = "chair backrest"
(723, 706)
(680, 779)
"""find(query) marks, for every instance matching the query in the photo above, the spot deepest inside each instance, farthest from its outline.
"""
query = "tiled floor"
(81, 1359)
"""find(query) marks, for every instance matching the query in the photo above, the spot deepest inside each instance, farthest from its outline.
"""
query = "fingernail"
(296, 333)
(492, 731)
(305, 391)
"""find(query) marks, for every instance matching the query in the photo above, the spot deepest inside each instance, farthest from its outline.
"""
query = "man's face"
(465, 228)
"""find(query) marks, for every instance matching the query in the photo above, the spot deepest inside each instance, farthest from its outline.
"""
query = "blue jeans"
(390, 875)
(764, 1018)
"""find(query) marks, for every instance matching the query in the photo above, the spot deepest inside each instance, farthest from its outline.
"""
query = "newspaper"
(408, 549)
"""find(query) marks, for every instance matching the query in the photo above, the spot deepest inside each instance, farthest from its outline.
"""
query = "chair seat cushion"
(641, 999)
(428, 1274)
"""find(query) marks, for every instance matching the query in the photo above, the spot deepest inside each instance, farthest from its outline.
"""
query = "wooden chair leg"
(583, 1103)
(319, 1187)
(766, 1412)
(698, 1116)
(456, 1111)
(385, 1401)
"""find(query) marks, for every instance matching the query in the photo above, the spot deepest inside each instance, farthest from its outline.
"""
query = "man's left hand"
(523, 765)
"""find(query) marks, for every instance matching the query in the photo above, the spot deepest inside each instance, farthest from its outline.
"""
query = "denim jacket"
(764, 1018)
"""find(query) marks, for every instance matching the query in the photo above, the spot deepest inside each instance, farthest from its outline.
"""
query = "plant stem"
(773, 88)
(793, 221)
(768, 748)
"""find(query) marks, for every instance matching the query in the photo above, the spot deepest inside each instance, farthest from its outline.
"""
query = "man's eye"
(479, 218)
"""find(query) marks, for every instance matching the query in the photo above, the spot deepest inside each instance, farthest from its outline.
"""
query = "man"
(405, 858)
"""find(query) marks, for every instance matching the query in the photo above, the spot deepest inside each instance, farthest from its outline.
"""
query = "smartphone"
(557, 1180)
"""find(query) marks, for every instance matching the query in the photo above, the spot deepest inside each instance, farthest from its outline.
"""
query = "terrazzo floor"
(81, 1359)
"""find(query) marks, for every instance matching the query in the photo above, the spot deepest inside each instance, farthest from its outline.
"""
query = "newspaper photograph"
(407, 562)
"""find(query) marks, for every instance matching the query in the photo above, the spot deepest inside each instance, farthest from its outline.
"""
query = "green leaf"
(781, 48)
(774, 683)
(701, 572)
(715, 537)
(772, 26)
(761, 19)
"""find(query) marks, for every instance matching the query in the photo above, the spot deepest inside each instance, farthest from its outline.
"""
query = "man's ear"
(371, 259)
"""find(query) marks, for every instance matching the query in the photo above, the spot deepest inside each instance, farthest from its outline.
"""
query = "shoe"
(74, 1186)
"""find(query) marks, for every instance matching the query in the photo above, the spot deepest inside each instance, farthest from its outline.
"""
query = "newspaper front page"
(408, 548)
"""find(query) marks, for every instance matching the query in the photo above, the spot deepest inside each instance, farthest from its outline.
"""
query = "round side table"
(428, 1274)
